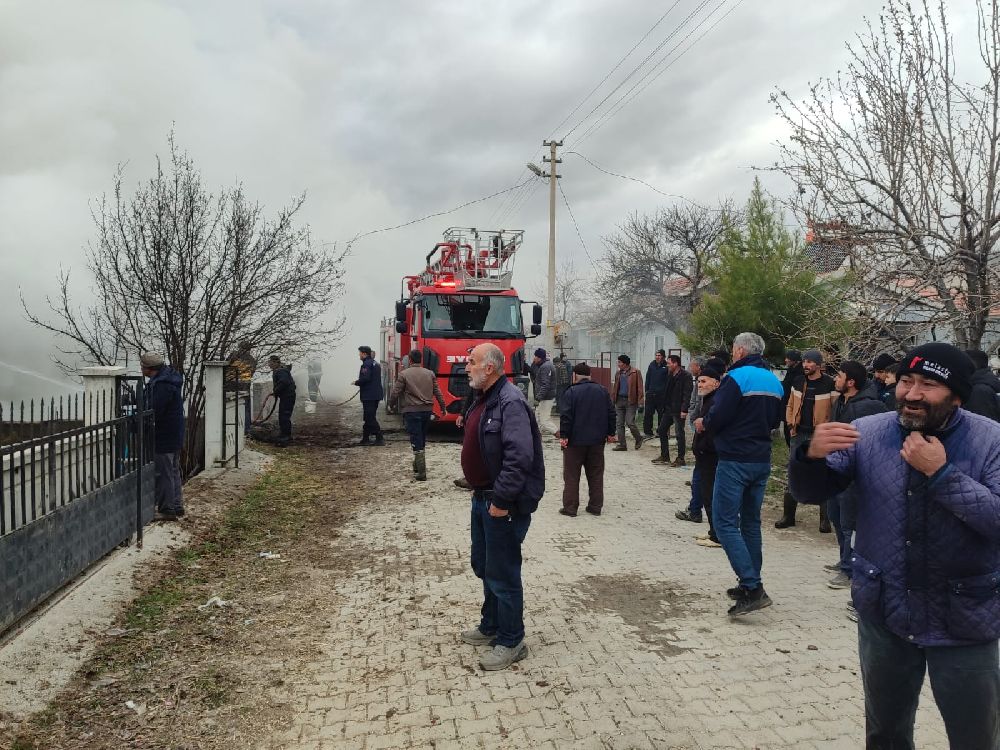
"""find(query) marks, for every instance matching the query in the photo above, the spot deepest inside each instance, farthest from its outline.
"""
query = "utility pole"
(553, 175)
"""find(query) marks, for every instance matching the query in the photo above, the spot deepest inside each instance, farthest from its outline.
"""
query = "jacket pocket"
(866, 588)
(974, 607)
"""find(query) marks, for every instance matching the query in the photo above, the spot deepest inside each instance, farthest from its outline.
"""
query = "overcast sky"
(382, 111)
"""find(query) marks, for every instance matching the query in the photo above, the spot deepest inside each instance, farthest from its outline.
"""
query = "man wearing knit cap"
(165, 398)
(881, 367)
(926, 561)
(810, 403)
(587, 421)
(545, 391)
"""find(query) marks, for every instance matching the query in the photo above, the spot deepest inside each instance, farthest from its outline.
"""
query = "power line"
(629, 96)
(639, 67)
(643, 182)
(617, 65)
(579, 234)
(439, 213)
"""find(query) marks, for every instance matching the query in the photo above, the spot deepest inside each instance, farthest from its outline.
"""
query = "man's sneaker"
(168, 515)
(661, 460)
(839, 581)
(620, 447)
(593, 511)
(678, 462)
(707, 542)
(751, 601)
(699, 537)
(832, 567)
(477, 637)
(735, 593)
(502, 657)
(686, 515)
(638, 442)
(463, 484)
(568, 512)
(379, 441)
(852, 613)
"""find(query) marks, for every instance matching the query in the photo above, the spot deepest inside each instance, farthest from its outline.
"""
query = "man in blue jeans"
(747, 407)
(414, 393)
(502, 462)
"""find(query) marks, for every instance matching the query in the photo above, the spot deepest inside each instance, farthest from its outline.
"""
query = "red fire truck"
(462, 298)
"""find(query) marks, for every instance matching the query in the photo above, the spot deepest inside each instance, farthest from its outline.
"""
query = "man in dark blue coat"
(587, 421)
(503, 463)
(657, 377)
(370, 383)
(283, 388)
(926, 562)
(163, 396)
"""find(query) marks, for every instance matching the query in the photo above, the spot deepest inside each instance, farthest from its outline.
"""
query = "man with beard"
(810, 403)
(858, 398)
(926, 562)
(502, 461)
(679, 387)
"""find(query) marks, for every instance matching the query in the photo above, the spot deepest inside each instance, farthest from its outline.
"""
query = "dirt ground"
(176, 671)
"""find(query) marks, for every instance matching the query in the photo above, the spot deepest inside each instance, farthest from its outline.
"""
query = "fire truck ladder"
(473, 259)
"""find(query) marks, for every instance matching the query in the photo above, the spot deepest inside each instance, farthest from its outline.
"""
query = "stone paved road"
(625, 615)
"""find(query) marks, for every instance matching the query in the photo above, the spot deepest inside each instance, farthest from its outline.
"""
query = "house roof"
(825, 257)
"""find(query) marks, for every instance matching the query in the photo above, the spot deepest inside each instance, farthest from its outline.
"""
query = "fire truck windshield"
(472, 315)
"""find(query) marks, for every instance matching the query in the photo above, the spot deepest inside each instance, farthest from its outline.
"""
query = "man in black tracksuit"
(283, 389)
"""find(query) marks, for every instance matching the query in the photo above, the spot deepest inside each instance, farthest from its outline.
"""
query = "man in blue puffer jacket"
(926, 562)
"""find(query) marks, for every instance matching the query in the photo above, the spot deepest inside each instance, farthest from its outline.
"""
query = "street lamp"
(536, 169)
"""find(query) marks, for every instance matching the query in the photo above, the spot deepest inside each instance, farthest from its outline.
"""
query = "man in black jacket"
(656, 392)
(985, 396)
(587, 421)
(793, 371)
(164, 396)
(283, 388)
(858, 398)
(369, 383)
(706, 458)
(679, 387)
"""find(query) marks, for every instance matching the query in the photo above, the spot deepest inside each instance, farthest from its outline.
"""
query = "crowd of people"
(903, 462)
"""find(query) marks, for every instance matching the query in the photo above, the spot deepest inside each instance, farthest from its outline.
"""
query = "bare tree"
(905, 156)
(655, 267)
(179, 270)
(570, 289)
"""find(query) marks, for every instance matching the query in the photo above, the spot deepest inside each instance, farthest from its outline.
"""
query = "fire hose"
(274, 405)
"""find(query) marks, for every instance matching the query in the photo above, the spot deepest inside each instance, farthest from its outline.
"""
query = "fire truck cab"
(463, 298)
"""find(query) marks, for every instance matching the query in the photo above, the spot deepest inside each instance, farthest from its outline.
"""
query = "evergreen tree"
(763, 283)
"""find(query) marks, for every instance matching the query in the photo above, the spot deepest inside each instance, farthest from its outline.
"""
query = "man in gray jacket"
(545, 392)
(414, 391)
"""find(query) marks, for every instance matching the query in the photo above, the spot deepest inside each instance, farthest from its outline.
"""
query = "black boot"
(824, 520)
(788, 519)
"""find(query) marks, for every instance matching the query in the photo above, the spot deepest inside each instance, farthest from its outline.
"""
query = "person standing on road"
(586, 423)
(545, 391)
(626, 390)
(655, 386)
(679, 387)
(372, 392)
(706, 459)
(315, 371)
(164, 396)
(414, 391)
(564, 378)
(503, 462)
(926, 561)
(746, 408)
(283, 389)
(810, 403)
(858, 398)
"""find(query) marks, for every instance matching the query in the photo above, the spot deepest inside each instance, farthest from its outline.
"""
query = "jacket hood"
(169, 376)
(986, 377)
(870, 391)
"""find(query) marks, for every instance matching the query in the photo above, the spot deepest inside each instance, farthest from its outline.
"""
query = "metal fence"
(70, 496)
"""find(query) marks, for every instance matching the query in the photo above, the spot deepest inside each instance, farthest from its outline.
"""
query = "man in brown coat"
(414, 391)
(627, 393)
